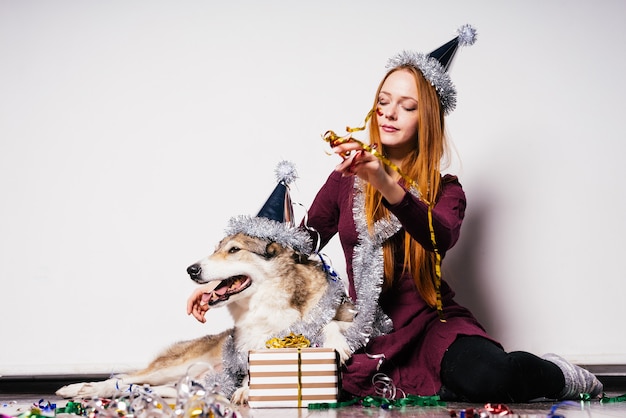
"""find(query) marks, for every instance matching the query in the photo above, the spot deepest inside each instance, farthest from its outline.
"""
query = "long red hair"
(423, 165)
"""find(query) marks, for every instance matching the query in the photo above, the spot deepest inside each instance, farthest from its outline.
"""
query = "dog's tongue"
(208, 290)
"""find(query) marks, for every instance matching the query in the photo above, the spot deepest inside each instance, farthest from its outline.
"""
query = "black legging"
(475, 369)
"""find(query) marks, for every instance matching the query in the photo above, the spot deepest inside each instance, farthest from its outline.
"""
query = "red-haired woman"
(397, 216)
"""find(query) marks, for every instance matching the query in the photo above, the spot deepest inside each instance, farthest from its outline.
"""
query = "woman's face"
(397, 112)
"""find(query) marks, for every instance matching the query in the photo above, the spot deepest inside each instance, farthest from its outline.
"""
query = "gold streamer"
(333, 139)
(437, 265)
(290, 341)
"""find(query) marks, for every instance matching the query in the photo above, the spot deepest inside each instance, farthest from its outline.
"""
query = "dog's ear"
(272, 250)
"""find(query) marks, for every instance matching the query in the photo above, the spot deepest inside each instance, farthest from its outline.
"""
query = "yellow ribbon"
(333, 139)
(290, 341)
(437, 265)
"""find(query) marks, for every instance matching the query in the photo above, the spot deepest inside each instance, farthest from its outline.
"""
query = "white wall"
(131, 131)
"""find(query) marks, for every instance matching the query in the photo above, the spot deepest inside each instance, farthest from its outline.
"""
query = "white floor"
(12, 405)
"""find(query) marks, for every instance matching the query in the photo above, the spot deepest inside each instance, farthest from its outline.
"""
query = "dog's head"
(239, 264)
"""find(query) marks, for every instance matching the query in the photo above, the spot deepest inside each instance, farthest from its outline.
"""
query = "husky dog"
(271, 290)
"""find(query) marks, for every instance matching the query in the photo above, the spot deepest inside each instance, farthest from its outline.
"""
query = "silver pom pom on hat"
(434, 66)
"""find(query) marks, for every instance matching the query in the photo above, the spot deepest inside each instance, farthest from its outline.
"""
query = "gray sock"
(577, 379)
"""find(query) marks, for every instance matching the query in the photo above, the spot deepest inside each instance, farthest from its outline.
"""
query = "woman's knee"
(478, 370)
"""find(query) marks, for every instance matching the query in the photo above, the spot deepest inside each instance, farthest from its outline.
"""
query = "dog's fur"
(267, 288)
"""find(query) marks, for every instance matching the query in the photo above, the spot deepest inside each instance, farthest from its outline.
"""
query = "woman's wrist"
(392, 191)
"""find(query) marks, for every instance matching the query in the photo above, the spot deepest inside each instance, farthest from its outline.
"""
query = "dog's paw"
(333, 338)
(343, 349)
(102, 389)
(70, 391)
(240, 397)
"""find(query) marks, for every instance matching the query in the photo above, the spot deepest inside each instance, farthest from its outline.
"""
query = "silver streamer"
(368, 272)
(433, 71)
(324, 312)
(263, 228)
(235, 368)
(140, 401)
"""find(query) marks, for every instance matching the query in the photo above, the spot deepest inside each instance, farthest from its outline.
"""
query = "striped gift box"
(292, 377)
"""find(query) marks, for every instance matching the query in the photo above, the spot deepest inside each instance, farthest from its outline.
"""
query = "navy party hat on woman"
(445, 53)
(434, 66)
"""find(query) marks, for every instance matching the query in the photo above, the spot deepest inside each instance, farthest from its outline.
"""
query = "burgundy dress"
(414, 349)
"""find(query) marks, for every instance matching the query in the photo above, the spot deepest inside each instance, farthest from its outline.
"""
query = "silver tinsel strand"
(235, 369)
(270, 230)
(368, 272)
(433, 71)
(324, 312)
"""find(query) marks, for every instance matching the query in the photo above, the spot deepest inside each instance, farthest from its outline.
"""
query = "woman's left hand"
(365, 165)
(359, 162)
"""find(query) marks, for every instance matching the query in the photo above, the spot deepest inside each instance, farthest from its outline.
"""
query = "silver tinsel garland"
(267, 229)
(433, 71)
(368, 272)
(235, 369)
(324, 312)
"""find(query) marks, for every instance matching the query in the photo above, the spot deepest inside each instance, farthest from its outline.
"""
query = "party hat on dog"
(275, 221)
(278, 206)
